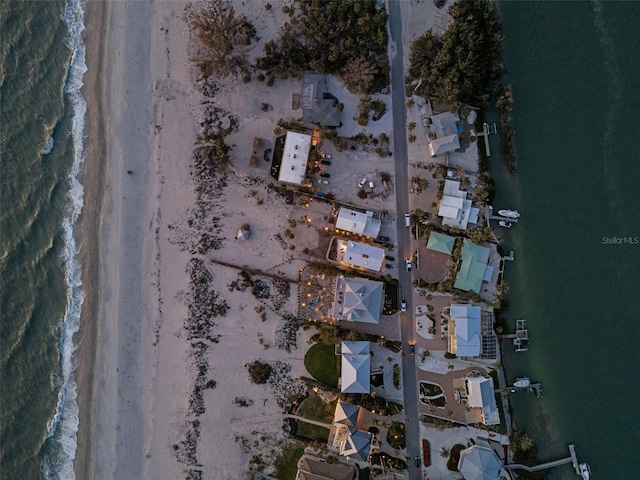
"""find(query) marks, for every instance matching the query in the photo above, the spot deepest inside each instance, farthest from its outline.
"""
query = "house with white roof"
(293, 166)
(445, 128)
(363, 223)
(360, 255)
(358, 300)
(355, 373)
(455, 209)
(465, 339)
(480, 396)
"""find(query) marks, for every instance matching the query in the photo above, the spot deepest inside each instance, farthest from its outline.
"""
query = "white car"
(363, 182)
(327, 156)
(323, 181)
(408, 264)
(403, 305)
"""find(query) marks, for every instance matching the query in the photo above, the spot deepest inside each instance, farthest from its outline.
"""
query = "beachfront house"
(358, 300)
(474, 268)
(361, 255)
(455, 209)
(444, 130)
(290, 158)
(363, 223)
(313, 468)
(355, 372)
(318, 105)
(349, 431)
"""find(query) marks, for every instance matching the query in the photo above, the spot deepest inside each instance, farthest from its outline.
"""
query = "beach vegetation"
(460, 67)
(222, 39)
(347, 38)
(259, 372)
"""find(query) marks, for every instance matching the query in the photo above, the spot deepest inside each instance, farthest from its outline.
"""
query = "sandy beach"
(158, 397)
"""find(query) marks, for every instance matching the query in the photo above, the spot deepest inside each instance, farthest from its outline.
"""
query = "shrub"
(259, 372)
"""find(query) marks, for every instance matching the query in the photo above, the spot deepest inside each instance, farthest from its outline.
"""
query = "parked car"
(407, 220)
(389, 265)
(325, 162)
(326, 155)
(417, 460)
(390, 258)
(403, 305)
(408, 264)
(324, 182)
(371, 185)
(363, 182)
(382, 238)
(325, 175)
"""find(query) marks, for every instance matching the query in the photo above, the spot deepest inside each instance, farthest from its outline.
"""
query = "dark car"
(389, 265)
(412, 351)
(325, 175)
(390, 258)
(325, 162)
(417, 461)
(384, 239)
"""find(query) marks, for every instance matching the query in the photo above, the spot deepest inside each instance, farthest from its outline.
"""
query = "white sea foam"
(49, 147)
(63, 426)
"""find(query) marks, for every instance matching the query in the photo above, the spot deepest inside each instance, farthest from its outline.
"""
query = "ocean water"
(41, 147)
(575, 71)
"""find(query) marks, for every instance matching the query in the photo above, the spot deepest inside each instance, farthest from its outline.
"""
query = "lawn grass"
(312, 432)
(286, 464)
(322, 363)
(314, 408)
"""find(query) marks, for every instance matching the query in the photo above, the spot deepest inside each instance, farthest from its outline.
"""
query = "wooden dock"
(573, 459)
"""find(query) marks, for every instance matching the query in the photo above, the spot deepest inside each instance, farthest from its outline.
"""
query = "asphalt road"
(401, 160)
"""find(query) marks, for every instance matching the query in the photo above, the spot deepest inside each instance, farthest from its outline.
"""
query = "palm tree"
(445, 452)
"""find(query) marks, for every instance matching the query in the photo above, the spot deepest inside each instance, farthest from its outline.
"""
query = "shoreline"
(93, 176)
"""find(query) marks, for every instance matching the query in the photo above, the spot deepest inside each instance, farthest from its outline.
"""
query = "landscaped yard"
(286, 464)
(315, 409)
(396, 436)
(322, 363)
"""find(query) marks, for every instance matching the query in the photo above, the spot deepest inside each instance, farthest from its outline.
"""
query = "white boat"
(504, 224)
(585, 471)
(523, 382)
(508, 213)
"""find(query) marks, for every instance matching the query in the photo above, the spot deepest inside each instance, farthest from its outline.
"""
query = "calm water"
(576, 75)
(41, 150)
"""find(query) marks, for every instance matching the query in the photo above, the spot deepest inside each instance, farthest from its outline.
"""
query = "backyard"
(314, 408)
(322, 364)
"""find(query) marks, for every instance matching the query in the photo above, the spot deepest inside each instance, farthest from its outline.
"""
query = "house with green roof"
(439, 242)
(474, 268)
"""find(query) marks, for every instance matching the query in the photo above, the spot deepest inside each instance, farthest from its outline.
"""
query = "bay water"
(575, 70)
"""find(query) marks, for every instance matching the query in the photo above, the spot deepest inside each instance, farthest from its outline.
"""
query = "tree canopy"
(459, 67)
(343, 37)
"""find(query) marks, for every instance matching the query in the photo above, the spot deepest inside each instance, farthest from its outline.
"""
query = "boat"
(509, 213)
(585, 471)
(523, 382)
(504, 224)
